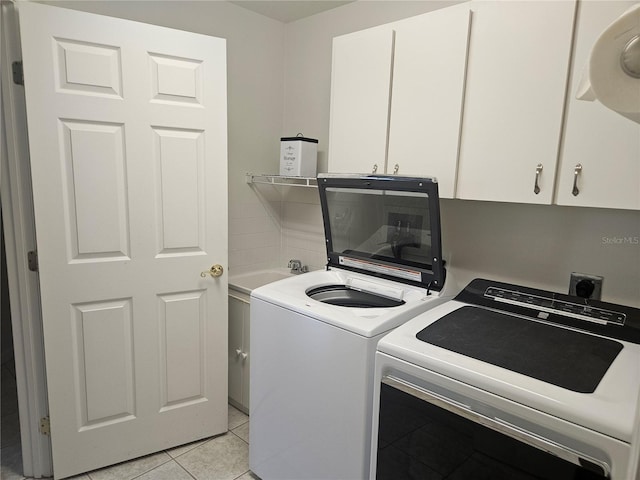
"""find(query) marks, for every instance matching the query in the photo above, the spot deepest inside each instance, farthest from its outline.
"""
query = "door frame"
(16, 197)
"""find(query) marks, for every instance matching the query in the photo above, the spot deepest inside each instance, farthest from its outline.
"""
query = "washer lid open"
(387, 226)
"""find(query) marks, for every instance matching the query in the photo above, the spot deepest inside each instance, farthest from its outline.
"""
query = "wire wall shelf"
(281, 180)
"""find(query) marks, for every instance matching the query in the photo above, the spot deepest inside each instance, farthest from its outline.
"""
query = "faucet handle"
(295, 264)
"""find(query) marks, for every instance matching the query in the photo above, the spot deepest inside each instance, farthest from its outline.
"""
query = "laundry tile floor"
(224, 457)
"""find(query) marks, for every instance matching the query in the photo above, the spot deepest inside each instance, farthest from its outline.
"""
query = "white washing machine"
(314, 336)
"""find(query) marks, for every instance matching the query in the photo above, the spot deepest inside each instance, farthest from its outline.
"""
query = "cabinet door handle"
(576, 172)
(536, 187)
(244, 356)
(238, 352)
(396, 168)
(375, 168)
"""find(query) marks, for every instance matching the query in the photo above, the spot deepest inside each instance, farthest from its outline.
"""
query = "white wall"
(530, 244)
(540, 245)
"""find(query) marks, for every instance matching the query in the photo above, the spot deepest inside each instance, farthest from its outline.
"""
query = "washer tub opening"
(344, 296)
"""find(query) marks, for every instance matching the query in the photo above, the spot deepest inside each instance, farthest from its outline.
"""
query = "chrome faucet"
(297, 267)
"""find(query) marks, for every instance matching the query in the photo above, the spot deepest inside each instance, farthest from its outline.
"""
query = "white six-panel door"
(128, 145)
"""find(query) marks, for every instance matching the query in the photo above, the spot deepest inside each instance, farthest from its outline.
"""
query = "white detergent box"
(298, 156)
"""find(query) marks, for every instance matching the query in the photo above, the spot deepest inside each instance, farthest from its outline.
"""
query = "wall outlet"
(585, 285)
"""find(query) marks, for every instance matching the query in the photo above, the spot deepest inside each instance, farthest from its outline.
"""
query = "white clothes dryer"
(314, 336)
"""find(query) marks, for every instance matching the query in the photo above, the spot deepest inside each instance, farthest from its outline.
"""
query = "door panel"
(127, 138)
(94, 179)
(179, 156)
(103, 362)
(87, 69)
(182, 323)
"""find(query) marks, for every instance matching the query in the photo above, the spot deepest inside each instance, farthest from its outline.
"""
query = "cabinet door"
(236, 334)
(360, 87)
(428, 87)
(246, 358)
(514, 99)
(604, 143)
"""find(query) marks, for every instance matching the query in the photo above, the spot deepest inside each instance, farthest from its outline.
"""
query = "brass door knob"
(215, 271)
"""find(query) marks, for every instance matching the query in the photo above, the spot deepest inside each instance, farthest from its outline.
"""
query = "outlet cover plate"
(595, 279)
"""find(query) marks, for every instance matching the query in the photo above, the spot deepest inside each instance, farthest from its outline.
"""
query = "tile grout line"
(238, 436)
(88, 474)
(204, 442)
(157, 466)
(188, 472)
(242, 475)
(175, 459)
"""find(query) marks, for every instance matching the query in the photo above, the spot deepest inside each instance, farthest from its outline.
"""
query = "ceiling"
(289, 10)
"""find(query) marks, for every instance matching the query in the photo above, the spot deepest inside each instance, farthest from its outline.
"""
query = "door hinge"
(18, 73)
(32, 260)
(45, 426)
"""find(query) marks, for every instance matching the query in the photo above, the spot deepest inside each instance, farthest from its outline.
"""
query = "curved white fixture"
(612, 75)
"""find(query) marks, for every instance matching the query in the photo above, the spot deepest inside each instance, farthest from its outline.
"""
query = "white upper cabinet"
(604, 144)
(396, 97)
(360, 86)
(428, 88)
(483, 97)
(514, 100)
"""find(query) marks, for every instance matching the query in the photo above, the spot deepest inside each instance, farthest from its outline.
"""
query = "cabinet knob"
(396, 168)
(238, 352)
(375, 168)
(536, 187)
(576, 172)
(244, 355)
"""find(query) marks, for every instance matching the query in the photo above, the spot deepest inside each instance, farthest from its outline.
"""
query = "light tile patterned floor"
(225, 457)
